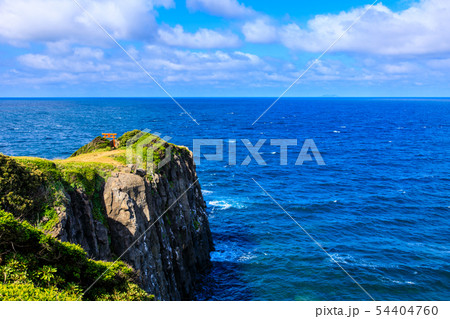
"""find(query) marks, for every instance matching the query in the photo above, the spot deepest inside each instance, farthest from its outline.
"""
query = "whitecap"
(337, 132)
(220, 204)
(246, 257)
(223, 205)
(206, 192)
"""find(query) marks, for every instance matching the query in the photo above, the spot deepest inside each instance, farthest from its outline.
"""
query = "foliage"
(19, 188)
(96, 145)
(36, 266)
(126, 137)
(49, 220)
(89, 177)
(121, 158)
(57, 180)
(28, 291)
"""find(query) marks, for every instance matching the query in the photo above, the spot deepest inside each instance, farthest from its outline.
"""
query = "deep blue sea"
(380, 206)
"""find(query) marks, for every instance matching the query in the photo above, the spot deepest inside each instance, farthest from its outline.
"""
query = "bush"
(20, 189)
(32, 188)
(36, 266)
(96, 145)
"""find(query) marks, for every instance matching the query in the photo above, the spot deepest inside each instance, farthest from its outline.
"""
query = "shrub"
(96, 145)
(20, 189)
(36, 266)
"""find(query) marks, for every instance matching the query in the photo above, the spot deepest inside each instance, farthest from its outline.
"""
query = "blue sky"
(224, 48)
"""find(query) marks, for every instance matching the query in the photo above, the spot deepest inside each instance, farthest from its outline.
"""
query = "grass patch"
(36, 266)
(98, 144)
(49, 219)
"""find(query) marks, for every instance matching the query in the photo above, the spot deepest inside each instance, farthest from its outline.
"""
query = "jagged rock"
(165, 225)
(77, 225)
(159, 226)
(141, 172)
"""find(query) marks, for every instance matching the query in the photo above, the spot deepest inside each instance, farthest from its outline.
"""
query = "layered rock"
(78, 225)
(157, 223)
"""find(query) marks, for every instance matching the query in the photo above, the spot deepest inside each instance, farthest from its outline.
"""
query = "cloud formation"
(221, 8)
(55, 20)
(65, 47)
(260, 30)
(202, 39)
(81, 60)
(420, 29)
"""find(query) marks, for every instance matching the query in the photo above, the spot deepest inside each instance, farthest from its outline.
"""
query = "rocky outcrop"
(77, 225)
(156, 223)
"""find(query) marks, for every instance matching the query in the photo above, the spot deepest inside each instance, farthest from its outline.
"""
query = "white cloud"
(37, 61)
(217, 68)
(420, 29)
(55, 20)
(260, 31)
(202, 39)
(221, 8)
(82, 60)
(407, 46)
(400, 68)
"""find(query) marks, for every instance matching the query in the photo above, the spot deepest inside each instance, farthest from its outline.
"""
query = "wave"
(359, 262)
(232, 252)
(225, 204)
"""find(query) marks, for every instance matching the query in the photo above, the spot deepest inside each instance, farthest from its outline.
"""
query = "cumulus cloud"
(82, 60)
(169, 65)
(56, 20)
(202, 39)
(221, 8)
(260, 31)
(185, 65)
(384, 46)
(420, 29)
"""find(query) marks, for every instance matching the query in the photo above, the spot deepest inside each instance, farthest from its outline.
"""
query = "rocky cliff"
(155, 221)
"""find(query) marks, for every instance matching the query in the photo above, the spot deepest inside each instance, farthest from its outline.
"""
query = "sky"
(209, 48)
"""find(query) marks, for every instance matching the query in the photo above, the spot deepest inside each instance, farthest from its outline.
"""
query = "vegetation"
(20, 188)
(35, 266)
(97, 145)
(32, 188)
(123, 140)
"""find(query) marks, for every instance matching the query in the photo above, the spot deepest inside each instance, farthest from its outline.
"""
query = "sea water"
(379, 207)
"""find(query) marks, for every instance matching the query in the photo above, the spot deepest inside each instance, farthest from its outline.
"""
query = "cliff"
(153, 218)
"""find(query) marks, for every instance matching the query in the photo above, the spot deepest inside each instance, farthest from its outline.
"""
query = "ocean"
(380, 206)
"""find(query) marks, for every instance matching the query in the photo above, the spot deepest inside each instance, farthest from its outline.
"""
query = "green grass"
(31, 188)
(121, 158)
(98, 144)
(36, 266)
(51, 219)
(126, 137)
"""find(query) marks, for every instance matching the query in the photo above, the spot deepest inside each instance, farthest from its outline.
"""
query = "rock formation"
(157, 223)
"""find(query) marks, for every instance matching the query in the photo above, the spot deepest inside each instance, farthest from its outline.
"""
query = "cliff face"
(157, 223)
